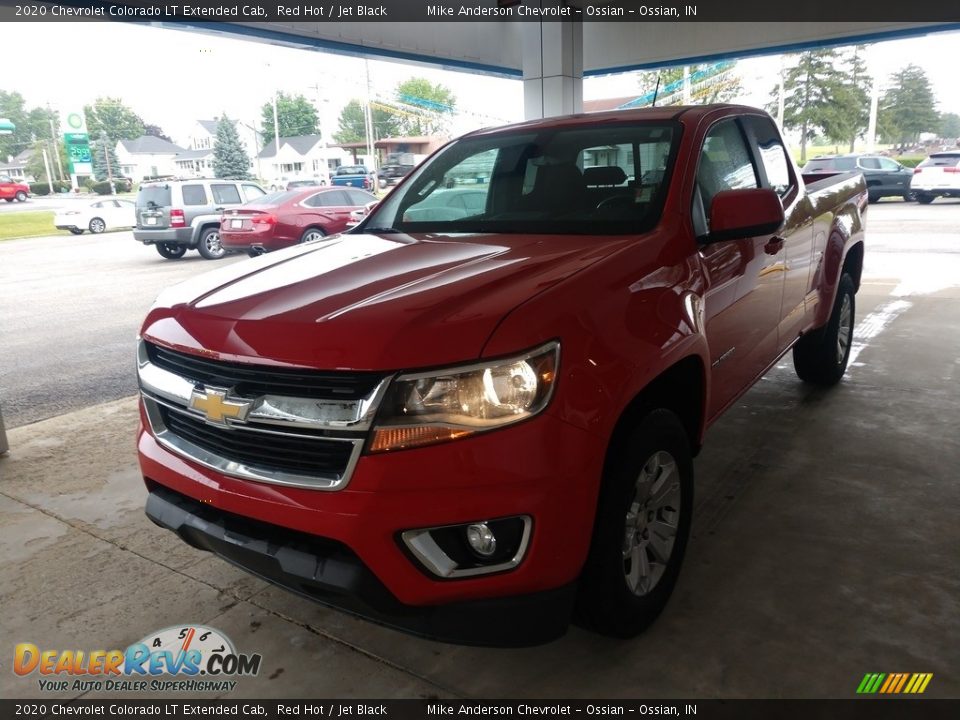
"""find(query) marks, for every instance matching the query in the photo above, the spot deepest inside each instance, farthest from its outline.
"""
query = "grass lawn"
(30, 223)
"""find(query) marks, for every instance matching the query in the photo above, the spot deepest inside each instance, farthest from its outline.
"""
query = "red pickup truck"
(476, 420)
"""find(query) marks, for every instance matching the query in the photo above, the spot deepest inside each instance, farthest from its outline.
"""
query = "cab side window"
(724, 164)
(773, 155)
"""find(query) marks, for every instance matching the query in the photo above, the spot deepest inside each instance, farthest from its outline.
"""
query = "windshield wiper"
(381, 230)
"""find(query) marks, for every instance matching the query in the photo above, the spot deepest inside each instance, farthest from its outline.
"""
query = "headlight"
(431, 407)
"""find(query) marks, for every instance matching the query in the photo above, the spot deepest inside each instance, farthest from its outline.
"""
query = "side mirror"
(736, 214)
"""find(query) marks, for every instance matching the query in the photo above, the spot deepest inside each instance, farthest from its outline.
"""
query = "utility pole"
(368, 120)
(780, 99)
(46, 164)
(104, 143)
(56, 150)
(276, 138)
(872, 124)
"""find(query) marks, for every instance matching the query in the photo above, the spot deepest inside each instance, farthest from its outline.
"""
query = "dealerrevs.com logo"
(192, 658)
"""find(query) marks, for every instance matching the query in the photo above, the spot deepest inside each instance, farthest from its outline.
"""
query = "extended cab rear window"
(588, 180)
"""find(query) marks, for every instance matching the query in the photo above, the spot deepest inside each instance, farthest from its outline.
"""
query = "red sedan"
(285, 218)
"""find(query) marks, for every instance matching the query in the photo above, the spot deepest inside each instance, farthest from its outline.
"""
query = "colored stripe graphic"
(894, 683)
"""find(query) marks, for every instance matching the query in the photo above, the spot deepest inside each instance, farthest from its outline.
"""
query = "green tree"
(230, 159)
(35, 166)
(114, 118)
(850, 110)
(949, 125)
(351, 126)
(710, 83)
(908, 108)
(100, 150)
(435, 103)
(156, 131)
(31, 124)
(809, 86)
(295, 115)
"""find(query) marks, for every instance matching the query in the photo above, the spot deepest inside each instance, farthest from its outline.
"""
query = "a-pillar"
(552, 68)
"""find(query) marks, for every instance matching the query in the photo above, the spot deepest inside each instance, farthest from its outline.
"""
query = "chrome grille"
(287, 437)
(250, 380)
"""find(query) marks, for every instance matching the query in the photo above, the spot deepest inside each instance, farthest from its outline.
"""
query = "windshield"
(609, 179)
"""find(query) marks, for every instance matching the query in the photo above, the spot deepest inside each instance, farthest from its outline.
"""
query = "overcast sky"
(172, 78)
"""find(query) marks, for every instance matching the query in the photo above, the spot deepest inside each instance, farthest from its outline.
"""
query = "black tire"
(873, 197)
(311, 234)
(821, 357)
(606, 602)
(210, 246)
(171, 251)
(9, 199)
(908, 197)
(76, 231)
(97, 225)
(924, 198)
(21, 196)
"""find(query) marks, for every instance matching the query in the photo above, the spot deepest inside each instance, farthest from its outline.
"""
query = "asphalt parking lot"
(824, 542)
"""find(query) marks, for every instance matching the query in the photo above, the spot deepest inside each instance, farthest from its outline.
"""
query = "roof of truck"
(688, 113)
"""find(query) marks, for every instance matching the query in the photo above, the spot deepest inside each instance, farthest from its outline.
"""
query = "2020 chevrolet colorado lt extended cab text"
(473, 424)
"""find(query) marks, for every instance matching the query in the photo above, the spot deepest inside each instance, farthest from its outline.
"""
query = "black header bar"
(179, 706)
(338, 11)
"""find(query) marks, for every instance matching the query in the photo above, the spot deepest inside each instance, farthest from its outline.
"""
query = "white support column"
(4, 445)
(552, 68)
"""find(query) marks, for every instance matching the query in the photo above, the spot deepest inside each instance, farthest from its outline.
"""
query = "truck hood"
(368, 302)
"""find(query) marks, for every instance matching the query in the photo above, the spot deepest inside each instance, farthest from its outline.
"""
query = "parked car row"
(215, 217)
(937, 176)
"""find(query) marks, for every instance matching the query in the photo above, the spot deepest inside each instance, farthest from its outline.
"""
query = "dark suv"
(179, 215)
(885, 177)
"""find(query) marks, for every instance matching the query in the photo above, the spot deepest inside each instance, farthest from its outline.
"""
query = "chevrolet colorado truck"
(480, 424)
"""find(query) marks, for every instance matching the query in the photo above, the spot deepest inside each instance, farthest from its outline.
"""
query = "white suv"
(937, 176)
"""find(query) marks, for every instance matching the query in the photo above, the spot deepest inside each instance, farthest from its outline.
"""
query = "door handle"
(774, 245)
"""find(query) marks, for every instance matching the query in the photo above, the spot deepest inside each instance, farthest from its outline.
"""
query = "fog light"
(471, 548)
(482, 540)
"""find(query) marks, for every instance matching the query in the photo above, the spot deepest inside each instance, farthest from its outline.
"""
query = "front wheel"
(210, 246)
(821, 357)
(924, 198)
(97, 226)
(171, 251)
(21, 196)
(641, 529)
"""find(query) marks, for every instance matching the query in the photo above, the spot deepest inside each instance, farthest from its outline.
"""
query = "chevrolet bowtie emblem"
(217, 407)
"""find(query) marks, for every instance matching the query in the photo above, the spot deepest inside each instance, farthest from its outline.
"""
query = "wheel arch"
(853, 264)
(681, 388)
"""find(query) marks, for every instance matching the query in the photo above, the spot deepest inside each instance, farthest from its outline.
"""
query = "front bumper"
(330, 573)
(543, 468)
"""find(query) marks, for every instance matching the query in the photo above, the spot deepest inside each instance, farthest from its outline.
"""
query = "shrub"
(910, 161)
(102, 187)
(40, 188)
